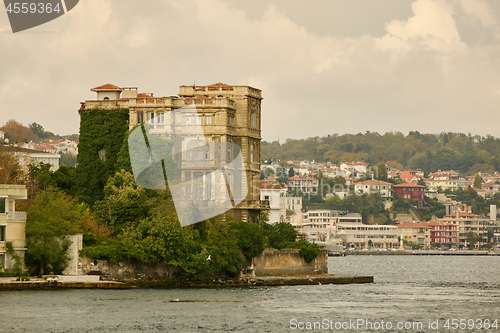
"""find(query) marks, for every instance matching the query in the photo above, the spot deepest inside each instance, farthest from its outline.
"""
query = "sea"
(410, 294)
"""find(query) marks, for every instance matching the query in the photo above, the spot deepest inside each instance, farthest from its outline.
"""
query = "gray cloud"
(330, 67)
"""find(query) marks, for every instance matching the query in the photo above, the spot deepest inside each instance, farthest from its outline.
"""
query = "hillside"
(429, 152)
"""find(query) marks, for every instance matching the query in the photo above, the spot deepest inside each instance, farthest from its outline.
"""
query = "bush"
(308, 251)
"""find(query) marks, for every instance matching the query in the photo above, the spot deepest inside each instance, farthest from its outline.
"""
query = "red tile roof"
(408, 185)
(373, 182)
(109, 87)
(271, 186)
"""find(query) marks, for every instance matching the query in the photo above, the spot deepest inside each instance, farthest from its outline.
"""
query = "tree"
(381, 172)
(16, 132)
(250, 240)
(124, 202)
(10, 169)
(478, 181)
(51, 216)
(472, 239)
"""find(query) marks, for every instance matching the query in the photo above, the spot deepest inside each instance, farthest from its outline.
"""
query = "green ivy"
(99, 129)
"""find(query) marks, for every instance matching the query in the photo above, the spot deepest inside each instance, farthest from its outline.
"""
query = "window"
(161, 117)
(106, 98)
(230, 121)
(252, 148)
(254, 120)
(266, 198)
(298, 201)
(198, 153)
(2, 233)
(140, 117)
(188, 120)
(197, 120)
(102, 154)
(208, 120)
(150, 116)
(229, 152)
(3, 205)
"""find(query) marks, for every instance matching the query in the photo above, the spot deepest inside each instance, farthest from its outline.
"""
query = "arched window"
(254, 120)
(252, 148)
(198, 153)
(106, 98)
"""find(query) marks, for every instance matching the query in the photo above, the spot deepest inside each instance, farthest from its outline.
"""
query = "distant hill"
(428, 152)
(17, 132)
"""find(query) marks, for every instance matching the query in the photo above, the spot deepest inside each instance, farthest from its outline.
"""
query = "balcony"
(17, 216)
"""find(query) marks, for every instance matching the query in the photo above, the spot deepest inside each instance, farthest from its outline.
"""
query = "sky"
(324, 66)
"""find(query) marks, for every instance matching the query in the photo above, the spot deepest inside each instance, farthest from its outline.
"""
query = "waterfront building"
(226, 113)
(12, 223)
(443, 235)
(418, 233)
(359, 235)
(467, 222)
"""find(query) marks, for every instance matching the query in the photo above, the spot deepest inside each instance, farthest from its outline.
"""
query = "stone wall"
(130, 271)
(289, 262)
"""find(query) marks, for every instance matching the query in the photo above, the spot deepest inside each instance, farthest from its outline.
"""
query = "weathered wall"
(130, 272)
(289, 262)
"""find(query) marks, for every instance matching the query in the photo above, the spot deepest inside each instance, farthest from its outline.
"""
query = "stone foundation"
(289, 262)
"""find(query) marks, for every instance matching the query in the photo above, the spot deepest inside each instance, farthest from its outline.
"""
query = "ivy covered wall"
(102, 134)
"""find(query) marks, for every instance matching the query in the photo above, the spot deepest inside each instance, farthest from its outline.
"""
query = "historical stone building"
(225, 113)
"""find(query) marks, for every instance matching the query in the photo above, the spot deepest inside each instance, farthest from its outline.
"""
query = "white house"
(372, 186)
(276, 196)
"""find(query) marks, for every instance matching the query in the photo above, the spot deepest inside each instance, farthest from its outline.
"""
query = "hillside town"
(456, 229)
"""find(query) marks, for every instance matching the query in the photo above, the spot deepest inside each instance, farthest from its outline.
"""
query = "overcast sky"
(324, 66)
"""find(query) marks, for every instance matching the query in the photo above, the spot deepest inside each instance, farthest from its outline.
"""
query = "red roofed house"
(107, 92)
(276, 196)
(410, 191)
(443, 235)
(304, 184)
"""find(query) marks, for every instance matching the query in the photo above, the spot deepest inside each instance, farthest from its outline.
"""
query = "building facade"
(410, 191)
(12, 223)
(417, 233)
(227, 114)
(372, 186)
(443, 235)
(276, 196)
(467, 222)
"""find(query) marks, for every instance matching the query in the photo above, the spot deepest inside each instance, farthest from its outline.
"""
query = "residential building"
(411, 175)
(418, 233)
(360, 167)
(303, 183)
(373, 186)
(410, 191)
(276, 196)
(294, 214)
(359, 235)
(225, 113)
(29, 156)
(490, 188)
(12, 223)
(445, 180)
(443, 235)
(467, 222)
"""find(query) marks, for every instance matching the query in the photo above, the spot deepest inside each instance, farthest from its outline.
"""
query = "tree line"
(461, 152)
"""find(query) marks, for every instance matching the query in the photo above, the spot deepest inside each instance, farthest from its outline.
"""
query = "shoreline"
(10, 284)
(424, 253)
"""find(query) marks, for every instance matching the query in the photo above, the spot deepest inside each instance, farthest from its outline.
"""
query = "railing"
(20, 216)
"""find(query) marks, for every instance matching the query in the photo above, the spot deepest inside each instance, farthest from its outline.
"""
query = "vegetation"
(461, 152)
(51, 216)
(103, 133)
